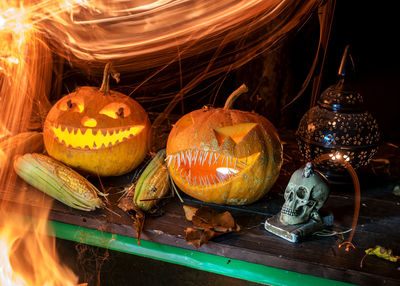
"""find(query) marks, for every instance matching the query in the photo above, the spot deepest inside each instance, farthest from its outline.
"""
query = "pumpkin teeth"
(205, 168)
(95, 138)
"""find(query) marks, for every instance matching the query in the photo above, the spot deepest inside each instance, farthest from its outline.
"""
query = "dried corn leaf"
(136, 214)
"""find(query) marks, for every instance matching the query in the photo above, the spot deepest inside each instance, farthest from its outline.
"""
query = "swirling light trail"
(203, 38)
(139, 35)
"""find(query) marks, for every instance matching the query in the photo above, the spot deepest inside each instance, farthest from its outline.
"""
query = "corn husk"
(58, 181)
(153, 183)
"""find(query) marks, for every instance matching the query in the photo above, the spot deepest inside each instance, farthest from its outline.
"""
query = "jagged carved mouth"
(92, 138)
(205, 168)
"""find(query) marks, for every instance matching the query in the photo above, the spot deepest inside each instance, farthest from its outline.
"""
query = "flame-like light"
(27, 255)
(145, 36)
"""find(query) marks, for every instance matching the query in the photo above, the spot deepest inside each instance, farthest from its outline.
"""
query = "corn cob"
(58, 181)
(153, 183)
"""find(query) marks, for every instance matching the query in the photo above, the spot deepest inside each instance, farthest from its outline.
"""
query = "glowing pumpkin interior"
(82, 122)
(224, 156)
(207, 168)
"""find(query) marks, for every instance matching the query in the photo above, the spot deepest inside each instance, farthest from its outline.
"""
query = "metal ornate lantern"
(340, 125)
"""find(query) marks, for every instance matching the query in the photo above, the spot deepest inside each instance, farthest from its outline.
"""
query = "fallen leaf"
(382, 252)
(197, 237)
(208, 223)
(189, 212)
(206, 217)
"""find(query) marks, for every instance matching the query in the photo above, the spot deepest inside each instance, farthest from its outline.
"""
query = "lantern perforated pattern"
(339, 125)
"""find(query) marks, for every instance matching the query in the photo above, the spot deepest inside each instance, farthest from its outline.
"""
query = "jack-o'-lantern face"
(224, 156)
(104, 134)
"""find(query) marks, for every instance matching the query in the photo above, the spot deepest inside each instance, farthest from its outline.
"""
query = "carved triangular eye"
(236, 132)
(185, 122)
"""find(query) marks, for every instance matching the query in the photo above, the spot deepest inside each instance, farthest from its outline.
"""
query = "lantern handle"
(231, 99)
(357, 192)
(105, 85)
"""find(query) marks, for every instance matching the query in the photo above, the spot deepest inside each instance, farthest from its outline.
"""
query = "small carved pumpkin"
(99, 131)
(224, 156)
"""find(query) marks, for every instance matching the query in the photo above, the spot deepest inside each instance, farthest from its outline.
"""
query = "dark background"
(371, 29)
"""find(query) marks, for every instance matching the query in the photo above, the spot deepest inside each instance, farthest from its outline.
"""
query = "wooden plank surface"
(379, 223)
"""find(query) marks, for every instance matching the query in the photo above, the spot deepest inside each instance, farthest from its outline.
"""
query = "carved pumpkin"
(224, 156)
(99, 131)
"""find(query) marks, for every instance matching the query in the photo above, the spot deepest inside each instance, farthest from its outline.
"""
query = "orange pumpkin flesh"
(98, 133)
(224, 156)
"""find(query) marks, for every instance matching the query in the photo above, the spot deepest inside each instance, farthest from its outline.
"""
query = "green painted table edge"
(195, 259)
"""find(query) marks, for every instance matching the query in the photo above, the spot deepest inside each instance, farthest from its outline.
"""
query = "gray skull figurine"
(305, 194)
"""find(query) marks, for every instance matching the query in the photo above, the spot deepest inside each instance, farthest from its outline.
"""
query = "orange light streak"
(137, 36)
(28, 255)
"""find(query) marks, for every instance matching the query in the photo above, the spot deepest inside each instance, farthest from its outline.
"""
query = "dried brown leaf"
(126, 204)
(135, 213)
(197, 237)
(208, 223)
(206, 217)
(189, 212)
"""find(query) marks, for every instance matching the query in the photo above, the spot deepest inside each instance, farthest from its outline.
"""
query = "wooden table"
(253, 253)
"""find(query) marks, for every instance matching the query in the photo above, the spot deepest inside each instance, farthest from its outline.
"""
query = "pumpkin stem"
(105, 85)
(231, 99)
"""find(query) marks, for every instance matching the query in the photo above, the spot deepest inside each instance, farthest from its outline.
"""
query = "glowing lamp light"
(341, 127)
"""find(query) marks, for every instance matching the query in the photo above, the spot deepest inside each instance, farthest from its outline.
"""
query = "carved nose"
(88, 122)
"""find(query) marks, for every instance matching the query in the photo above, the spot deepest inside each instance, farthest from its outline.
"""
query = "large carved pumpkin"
(99, 131)
(224, 156)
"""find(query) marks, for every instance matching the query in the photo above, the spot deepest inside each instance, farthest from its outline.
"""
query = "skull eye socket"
(116, 110)
(301, 193)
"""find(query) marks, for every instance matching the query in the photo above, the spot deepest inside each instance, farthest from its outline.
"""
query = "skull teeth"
(289, 212)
